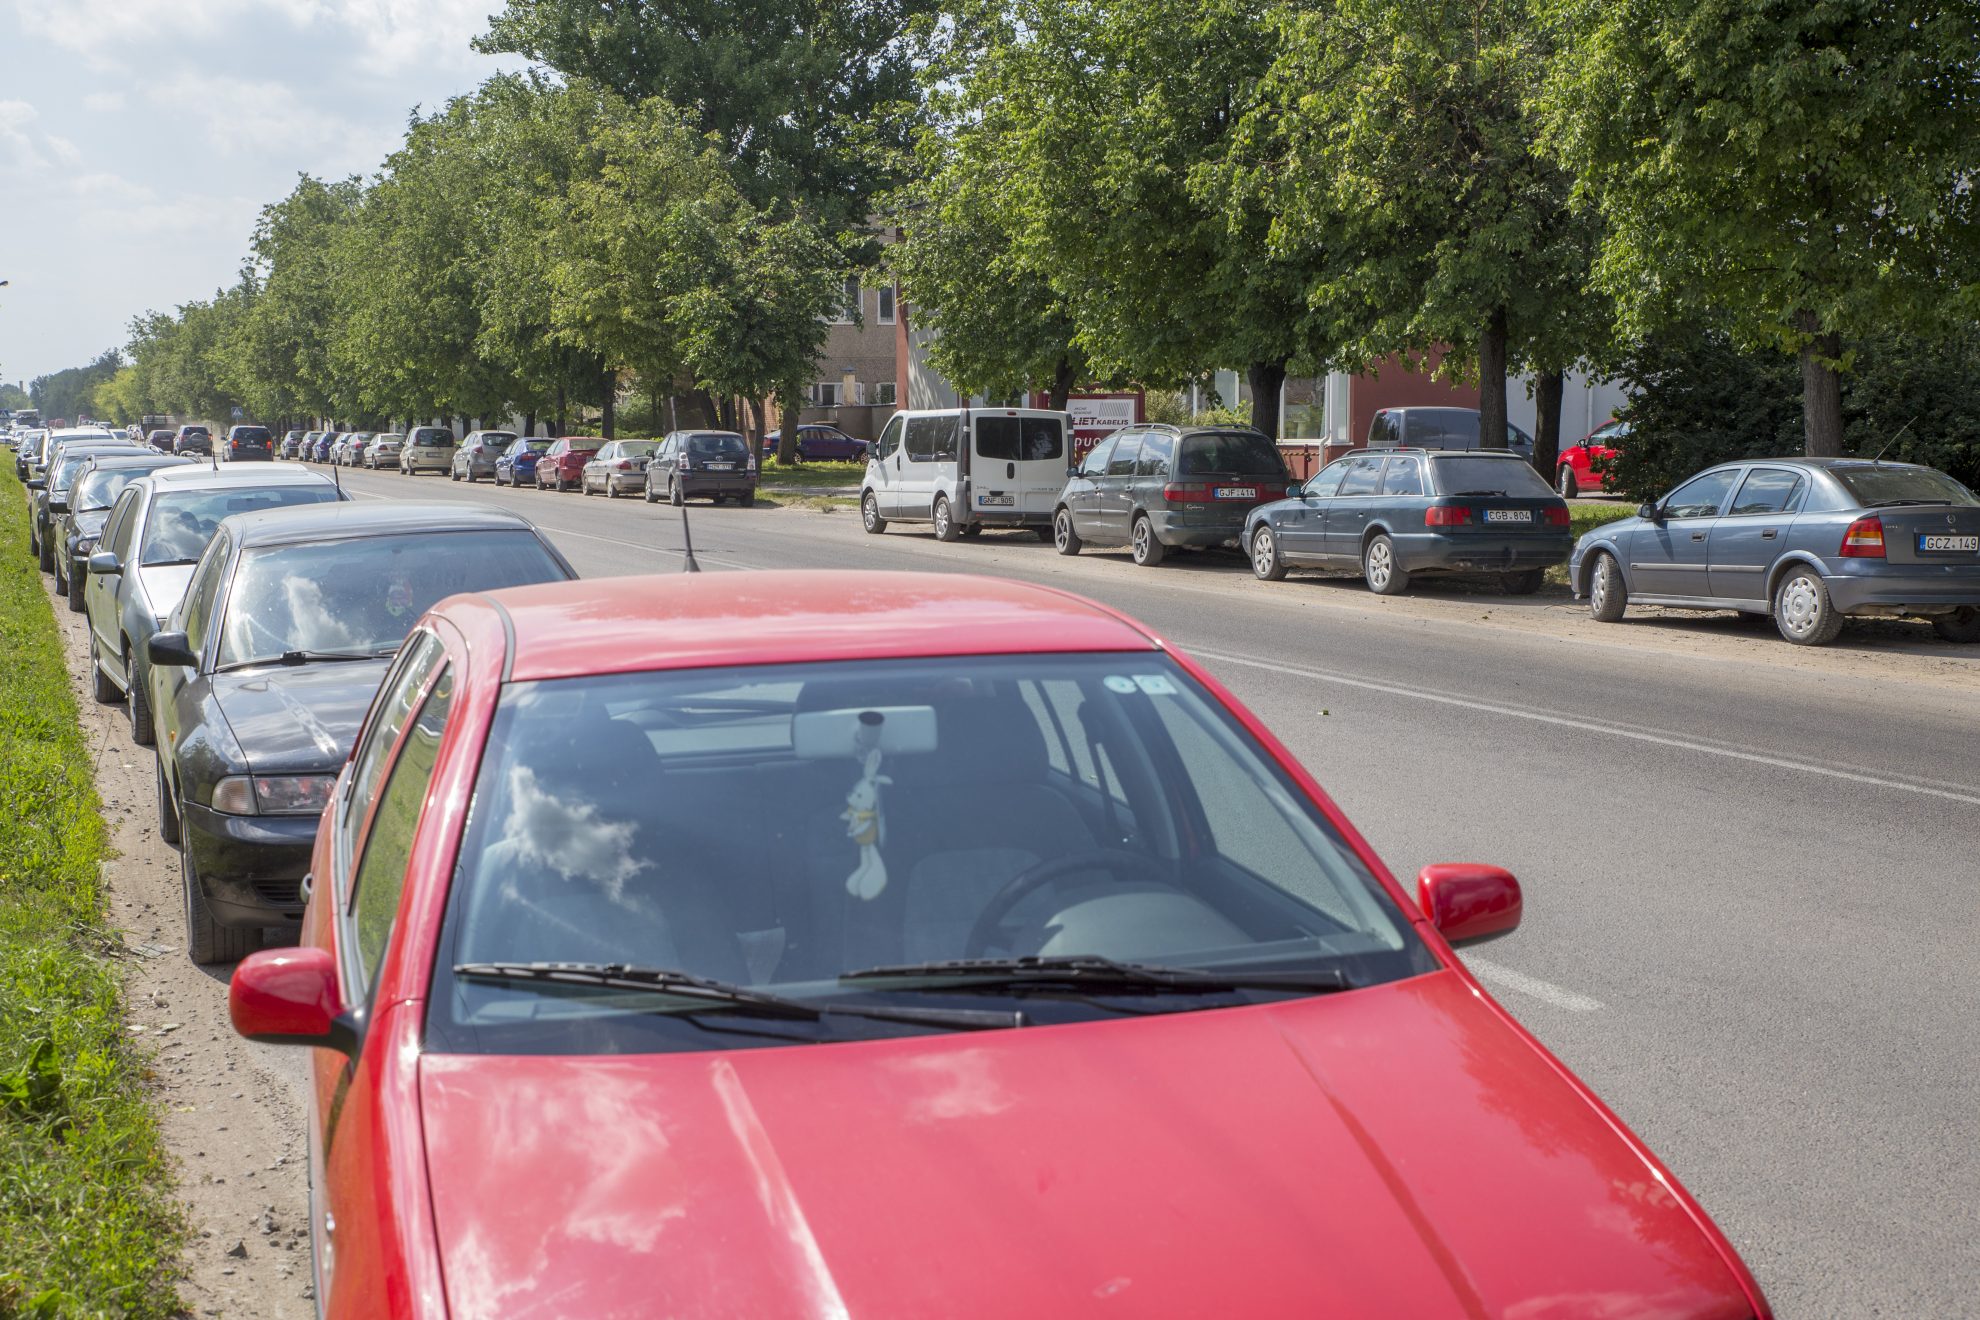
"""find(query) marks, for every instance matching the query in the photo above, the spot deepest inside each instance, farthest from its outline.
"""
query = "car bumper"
(1911, 589)
(251, 867)
(626, 481)
(427, 462)
(716, 483)
(1421, 552)
(1204, 528)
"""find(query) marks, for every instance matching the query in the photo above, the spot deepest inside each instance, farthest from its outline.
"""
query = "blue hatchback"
(1392, 514)
(518, 462)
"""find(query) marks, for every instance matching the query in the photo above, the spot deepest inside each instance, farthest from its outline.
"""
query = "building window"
(883, 390)
(848, 312)
(825, 394)
(886, 296)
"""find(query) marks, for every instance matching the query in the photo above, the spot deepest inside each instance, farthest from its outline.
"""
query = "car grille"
(279, 893)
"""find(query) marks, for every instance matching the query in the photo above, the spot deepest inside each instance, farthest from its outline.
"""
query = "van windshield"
(1229, 453)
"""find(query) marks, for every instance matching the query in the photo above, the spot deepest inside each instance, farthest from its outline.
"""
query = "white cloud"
(261, 119)
(104, 101)
(19, 151)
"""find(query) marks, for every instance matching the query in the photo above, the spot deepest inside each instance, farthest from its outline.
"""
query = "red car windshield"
(1058, 807)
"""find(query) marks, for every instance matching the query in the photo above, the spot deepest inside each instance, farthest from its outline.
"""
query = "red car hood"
(1397, 1151)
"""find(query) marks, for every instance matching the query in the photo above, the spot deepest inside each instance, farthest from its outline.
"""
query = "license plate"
(1509, 515)
(1952, 544)
(996, 500)
(721, 467)
(1237, 492)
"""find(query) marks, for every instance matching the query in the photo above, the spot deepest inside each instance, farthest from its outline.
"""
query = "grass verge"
(87, 1223)
(774, 473)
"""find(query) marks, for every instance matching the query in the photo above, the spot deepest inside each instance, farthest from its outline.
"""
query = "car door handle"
(1010, 472)
(1698, 536)
(1769, 534)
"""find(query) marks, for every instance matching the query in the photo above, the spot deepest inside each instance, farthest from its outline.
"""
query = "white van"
(964, 469)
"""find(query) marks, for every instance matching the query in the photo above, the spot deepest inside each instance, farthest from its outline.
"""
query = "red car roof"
(683, 621)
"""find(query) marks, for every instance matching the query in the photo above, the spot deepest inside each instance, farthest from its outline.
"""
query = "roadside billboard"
(1096, 416)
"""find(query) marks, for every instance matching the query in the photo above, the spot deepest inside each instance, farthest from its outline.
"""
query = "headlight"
(273, 795)
(85, 545)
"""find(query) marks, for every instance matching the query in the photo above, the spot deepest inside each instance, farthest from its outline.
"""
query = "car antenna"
(1893, 440)
(337, 475)
(688, 564)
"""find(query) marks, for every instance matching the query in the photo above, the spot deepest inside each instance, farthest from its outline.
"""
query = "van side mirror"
(106, 564)
(170, 648)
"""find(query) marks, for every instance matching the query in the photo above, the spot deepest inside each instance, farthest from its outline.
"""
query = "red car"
(562, 464)
(1052, 985)
(1576, 472)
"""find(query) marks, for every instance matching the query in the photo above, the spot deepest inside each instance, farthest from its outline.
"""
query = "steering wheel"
(1040, 874)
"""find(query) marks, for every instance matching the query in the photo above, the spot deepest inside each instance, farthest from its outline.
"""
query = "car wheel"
(100, 685)
(1148, 550)
(1523, 584)
(1266, 564)
(1608, 597)
(584, 487)
(1803, 611)
(1962, 625)
(142, 732)
(168, 813)
(207, 941)
(1566, 484)
(652, 496)
(869, 514)
(76, 583)
(454, 474)
(1065, 537)
(675, 495)
(747, 500)
(1385, 577)
(45, 555)
(945, 521)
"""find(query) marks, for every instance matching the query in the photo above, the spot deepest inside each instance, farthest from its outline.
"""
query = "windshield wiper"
(167, 563)
(1891, 504)
(1091, 970)
(305, 658)
(686, 985)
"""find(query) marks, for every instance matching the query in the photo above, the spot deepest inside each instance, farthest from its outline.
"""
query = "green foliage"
(13, 397)
(87, 1227)
(71, 393)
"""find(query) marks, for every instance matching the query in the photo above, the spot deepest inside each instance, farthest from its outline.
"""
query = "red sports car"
(1050, 984)
(1577, 473)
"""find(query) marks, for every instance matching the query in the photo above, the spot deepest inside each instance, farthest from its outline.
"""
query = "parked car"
(427, 449)
(562, 464)
(1394, 515)
(964, 469)
(383, 450)
(248, 442)
(293, 442)
(477, 455)
(157, 530)
(619, 465)
(1438, 428)
(48, 494)
(77, 528)
(192, 440)
(293, 611)
(326, 445)
(1807, 540)
(819, 441)
(561, 977)
(1156, 487)
(164, 441)
(714, 465)
(27, 452)
(350, 450)
(1583, 464)
(518, 462)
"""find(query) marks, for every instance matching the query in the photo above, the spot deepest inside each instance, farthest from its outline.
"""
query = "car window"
(117, 528)
(1042, 439)
(1127, 453)
(390, 709)
(716, 444)
(1328, 480)
(932, 439)
(1890, 485)
(1098, 457)
(890, 437)
(1403, 476)
(1442, 428)
(1768, 490)
(381, 871)
(608, 452)
(1701, 497)
(1382, 430)
(1230, 453)
(181, 522)
(1475, 474)
(197, 609)
(1157, 449)
(999, 439)
(1362, 476)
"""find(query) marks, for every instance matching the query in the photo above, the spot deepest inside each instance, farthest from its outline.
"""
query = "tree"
(69, 393)
(1802, 172)
(1404, 147)
(297, 313)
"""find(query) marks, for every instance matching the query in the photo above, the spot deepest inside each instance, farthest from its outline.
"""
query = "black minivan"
(1154, 486)
(692, 465)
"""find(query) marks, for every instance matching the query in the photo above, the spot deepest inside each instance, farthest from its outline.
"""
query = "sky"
(139, 140)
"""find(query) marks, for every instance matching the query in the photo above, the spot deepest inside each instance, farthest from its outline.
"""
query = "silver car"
(1807, 540)
(426, 449)
(383, 451)
(618, 467)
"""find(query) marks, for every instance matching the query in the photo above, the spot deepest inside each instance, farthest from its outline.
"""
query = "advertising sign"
(1096, 416)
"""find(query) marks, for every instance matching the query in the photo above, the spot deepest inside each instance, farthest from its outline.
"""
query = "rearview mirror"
(1467, 902)
(105, 563)
(290, 997)
(830, 735)
(170, 648)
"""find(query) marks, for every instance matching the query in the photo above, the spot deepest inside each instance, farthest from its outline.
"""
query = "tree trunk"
(1064, 377)
(529, 425)
(610, 422)
(1821, 389)
(1548, 388)
(790, 402)
(557, 421)
(1267, 381)
(1492, 382)
(762, 426)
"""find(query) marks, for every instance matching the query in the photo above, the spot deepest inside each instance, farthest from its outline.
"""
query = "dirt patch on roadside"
(231, 1113)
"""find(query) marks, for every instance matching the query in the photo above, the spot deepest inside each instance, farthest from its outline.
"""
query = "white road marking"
(1486, 970)
(1592, 726)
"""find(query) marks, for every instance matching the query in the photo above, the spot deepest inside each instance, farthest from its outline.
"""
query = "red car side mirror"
(290, 997)
(1468, 902)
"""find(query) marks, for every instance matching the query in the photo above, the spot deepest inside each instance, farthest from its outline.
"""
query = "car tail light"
(623, 465)
(1186, 493)
(1864, 539)
(1446, 515)
(687, 464)
(1559, 517)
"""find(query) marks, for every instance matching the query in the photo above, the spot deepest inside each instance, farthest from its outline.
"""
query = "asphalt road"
(1751, 883)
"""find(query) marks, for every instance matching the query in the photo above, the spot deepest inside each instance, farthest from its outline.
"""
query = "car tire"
(207, 941)
(675, 495)
(1145, 546)
(1608, 594)
(45, 555)
(1803, 611)
(869, 514)
(1962, 625)
(143, 731)
(651, 496)
(1566, 484)
(76, 583)
(100, 686)
(1523, 583)
(945, 521)
(1267, 565)
(747, 501)
(1065, 537)
(584, 487)
(168, 811)
(1379, 569)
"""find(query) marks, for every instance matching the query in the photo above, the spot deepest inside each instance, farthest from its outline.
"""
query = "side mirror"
(37, 483)
(290, 997)
(57, 506)
(105, 563)
(1650, 513)
(170, 648)
(1467, 902)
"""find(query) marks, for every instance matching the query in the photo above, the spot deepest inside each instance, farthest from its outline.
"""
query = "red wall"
(1391, 383)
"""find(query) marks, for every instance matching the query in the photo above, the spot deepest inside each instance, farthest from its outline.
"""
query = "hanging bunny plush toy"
(865, 827)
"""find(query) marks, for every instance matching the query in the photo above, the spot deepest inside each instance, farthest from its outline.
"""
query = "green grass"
(812, 474)
(1587, 517)
(87, 1223)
